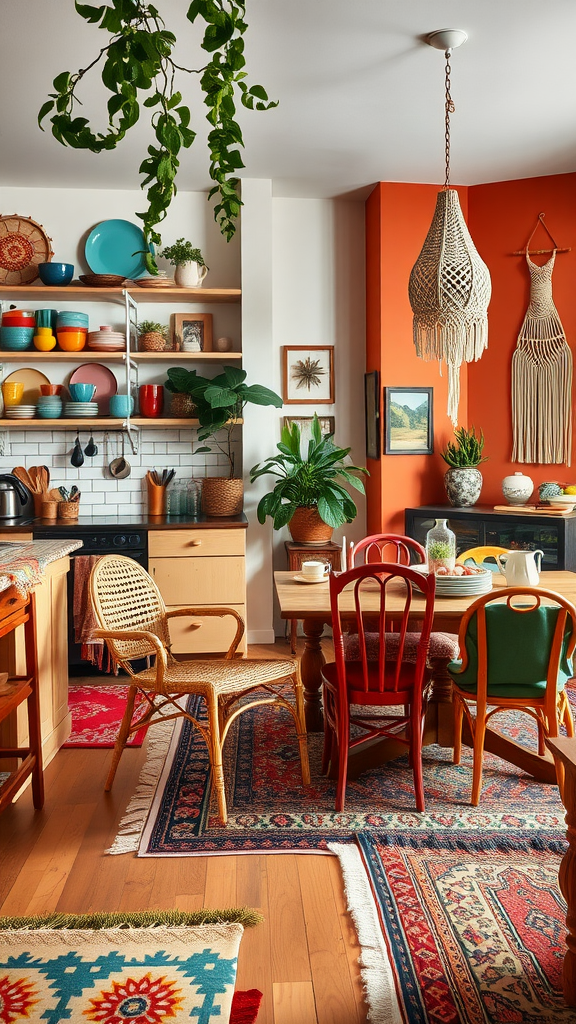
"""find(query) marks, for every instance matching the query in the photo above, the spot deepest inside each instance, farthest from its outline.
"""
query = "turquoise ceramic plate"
(115, 247)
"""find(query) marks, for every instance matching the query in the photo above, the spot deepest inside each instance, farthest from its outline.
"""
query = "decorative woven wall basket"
(222, 496)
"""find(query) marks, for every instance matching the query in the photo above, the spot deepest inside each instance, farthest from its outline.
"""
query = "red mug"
(151, 398)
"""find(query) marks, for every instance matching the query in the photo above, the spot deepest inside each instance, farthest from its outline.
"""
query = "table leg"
(311, 665)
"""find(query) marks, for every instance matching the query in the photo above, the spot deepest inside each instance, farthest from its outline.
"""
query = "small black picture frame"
(372, 413)
(409, 421)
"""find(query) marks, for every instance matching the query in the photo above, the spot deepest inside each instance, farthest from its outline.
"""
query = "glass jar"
(440, 547)
(193, 497)
(176, 499)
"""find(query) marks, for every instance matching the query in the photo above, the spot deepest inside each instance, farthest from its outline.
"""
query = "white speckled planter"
(463, 485)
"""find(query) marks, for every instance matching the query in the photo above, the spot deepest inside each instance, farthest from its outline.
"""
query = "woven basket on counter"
(222, 496)
(68, 509)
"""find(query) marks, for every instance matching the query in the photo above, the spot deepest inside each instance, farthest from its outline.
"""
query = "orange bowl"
(51, 389)
(71, 341)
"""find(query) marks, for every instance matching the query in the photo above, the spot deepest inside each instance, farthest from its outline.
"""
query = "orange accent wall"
(398, 216)
(501, 217)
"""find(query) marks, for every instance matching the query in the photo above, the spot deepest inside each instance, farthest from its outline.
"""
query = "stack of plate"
(74, 409)
(462, 586)
(72, 318)
(20, 412)
(107, 340)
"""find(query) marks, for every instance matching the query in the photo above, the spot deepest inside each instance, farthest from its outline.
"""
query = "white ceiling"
(361, 96)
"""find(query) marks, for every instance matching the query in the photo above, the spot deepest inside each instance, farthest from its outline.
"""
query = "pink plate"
(103, 378)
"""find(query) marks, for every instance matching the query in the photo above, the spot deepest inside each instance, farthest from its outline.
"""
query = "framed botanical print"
(308, 375)
(409, 424)
(191, 332)
(372, 413)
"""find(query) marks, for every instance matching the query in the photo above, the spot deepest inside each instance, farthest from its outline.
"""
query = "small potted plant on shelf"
(219, 405)
(152, 337)
(189, 262)
(463, 480)
(309, 496)
(181, 401)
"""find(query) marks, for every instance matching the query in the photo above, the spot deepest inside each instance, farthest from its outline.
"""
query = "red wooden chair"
(386, 547)
(395, 675)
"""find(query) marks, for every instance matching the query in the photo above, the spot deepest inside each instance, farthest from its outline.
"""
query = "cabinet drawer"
(197, 581)
(213, 637)
(195, 543)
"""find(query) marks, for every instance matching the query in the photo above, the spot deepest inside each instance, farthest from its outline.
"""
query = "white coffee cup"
(315, 570)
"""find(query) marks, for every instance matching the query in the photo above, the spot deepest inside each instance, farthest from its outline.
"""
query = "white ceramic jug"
(189, 275)
(519, 568)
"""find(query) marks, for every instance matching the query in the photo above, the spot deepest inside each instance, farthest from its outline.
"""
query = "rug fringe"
(130, 828)
(375, 968)
(132, 919)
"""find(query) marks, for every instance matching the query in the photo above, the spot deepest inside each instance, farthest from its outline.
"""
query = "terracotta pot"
(306, 527)
(222, 496)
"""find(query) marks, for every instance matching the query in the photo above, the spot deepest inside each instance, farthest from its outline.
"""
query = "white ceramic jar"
(517, 488)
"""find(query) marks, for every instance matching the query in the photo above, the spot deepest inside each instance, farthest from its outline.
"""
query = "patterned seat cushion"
(442, 645)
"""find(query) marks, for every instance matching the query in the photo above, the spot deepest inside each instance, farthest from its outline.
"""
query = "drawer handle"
(194, 543)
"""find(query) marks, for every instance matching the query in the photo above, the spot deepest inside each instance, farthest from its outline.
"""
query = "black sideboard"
(480, 524)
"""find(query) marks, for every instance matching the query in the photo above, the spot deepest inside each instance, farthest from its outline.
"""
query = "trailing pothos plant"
(138, 60)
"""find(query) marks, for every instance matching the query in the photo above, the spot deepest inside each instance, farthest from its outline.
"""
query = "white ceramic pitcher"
(520, 568)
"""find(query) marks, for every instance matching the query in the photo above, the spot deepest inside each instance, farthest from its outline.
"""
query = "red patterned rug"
(475, 925)
(96, 715)
(245, 1006)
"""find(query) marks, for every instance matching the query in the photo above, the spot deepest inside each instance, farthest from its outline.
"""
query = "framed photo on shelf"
(372, 413)
(305, 424)
(191, 332)
(409, 423)
(308, 374)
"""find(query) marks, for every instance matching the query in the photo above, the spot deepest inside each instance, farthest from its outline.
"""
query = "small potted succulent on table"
(189, 262)
(463, 481)
(152, 337)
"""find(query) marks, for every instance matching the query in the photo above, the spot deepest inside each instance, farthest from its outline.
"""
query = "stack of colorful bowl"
(72, 330)
(16, 330)
(107, 340)
(49, 407)
(81, 404)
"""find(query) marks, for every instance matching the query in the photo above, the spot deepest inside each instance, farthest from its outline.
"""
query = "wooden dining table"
(311, 604)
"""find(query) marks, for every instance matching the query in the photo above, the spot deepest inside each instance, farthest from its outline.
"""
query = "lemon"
(570, 490)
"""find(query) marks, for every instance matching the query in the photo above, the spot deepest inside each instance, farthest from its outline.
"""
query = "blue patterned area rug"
(270, 811)
(474, 924)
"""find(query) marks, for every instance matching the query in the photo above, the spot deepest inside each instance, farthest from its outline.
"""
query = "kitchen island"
(39, 568)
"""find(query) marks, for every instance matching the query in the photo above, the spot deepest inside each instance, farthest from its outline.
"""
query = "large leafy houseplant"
(219, 404)
(138, 66)
(313, 480)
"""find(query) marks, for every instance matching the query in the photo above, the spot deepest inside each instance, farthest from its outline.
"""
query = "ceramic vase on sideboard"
(463, 485)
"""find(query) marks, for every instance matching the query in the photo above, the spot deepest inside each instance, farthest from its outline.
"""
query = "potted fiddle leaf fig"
(309, 495)
(219, 405)
(189, 262)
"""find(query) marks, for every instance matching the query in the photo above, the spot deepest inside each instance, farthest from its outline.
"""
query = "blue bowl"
(16, 339)
(82, 392)
(56, 273)
(49, 412)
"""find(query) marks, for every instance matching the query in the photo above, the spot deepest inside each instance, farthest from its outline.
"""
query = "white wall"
(302, 263)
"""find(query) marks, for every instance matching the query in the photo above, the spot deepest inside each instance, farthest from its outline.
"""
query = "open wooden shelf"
(79, 291)
(103, 422)
(56, 355)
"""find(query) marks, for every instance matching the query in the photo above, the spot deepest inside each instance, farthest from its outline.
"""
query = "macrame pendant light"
(449, 287)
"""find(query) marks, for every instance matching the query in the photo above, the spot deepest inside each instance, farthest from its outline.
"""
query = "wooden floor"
(303, 957)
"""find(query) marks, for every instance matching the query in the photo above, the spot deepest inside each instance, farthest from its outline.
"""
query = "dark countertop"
(121, 522)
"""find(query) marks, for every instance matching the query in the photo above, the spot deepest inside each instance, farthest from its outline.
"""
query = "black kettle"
(15, 500)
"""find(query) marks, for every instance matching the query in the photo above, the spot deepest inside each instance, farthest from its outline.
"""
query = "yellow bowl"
(71, 341)
(12, 392)
(44, 342)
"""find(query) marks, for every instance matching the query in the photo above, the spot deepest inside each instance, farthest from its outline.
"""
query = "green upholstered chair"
(516, 652)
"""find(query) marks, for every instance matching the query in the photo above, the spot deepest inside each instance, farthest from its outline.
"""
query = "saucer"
(307, 579)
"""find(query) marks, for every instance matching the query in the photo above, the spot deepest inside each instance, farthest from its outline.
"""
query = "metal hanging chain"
(449, 108)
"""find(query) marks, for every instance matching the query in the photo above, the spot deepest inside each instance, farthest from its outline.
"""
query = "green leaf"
(89, 13)
(44, 109)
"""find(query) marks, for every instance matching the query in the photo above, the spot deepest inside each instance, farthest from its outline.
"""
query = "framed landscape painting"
(409, 424)
(305, 424)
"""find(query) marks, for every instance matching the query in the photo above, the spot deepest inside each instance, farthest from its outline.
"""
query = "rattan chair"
(134, 622)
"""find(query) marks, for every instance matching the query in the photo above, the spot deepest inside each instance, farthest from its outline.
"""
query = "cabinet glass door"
(527, 537)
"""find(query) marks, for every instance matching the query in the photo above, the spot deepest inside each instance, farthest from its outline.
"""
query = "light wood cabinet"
(52, 645)
(200, 568)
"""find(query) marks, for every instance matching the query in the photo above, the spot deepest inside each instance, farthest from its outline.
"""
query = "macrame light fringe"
(449, 291)
(375, 968)
(542, 378)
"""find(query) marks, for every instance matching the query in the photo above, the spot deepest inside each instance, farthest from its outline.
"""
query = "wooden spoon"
(23, 476)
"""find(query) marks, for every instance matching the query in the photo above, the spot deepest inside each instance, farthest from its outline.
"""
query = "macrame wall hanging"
(449, 287)
(541, 371)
